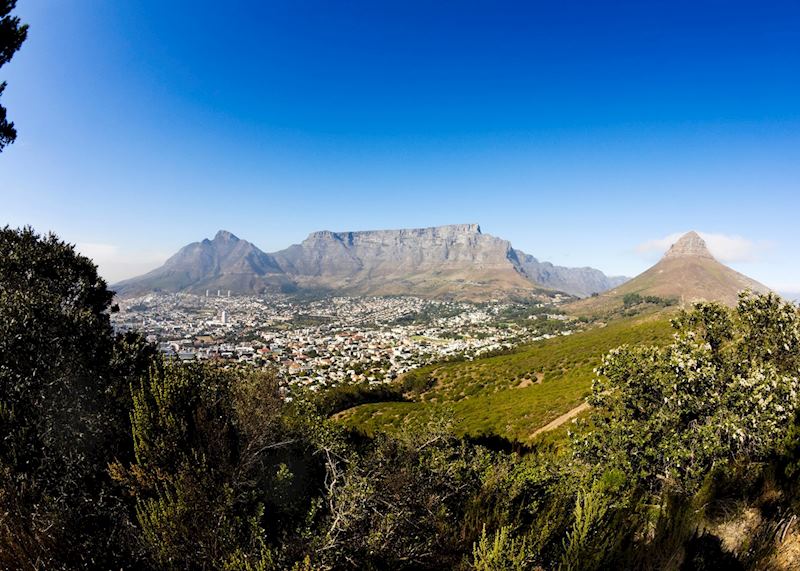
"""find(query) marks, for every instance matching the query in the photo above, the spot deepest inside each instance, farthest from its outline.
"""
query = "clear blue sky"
(577, 130)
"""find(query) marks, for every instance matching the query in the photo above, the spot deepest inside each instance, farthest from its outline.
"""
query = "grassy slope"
(684, 279)
(512, 395)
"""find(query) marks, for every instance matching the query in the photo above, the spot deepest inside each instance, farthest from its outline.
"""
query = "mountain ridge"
(456, 260)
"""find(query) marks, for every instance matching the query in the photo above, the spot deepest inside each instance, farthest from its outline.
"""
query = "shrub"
(64, 404)
(725, 388)
(220, 471)
(503, 553)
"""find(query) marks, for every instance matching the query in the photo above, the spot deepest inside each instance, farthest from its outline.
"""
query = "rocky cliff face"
(394, 251)
(457, 260)
(581, 282)
(689, 245)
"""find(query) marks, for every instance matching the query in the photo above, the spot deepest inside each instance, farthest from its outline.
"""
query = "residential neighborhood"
(325, 342)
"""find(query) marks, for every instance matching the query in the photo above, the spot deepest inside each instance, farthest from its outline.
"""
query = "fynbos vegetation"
(113, 458)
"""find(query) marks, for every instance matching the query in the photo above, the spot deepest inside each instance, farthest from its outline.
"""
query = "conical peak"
(690, 244)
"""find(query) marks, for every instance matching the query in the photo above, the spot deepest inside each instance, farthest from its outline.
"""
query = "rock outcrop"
(689, 245)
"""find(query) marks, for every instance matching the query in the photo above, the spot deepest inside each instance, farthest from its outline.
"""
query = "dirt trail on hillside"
(569, 415)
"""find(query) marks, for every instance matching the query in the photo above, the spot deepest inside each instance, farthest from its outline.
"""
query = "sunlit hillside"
(513, 395)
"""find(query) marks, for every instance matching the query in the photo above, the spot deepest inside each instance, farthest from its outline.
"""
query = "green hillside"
(512, 395)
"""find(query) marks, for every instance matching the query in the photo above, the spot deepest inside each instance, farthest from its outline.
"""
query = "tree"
(726, 389)
(64, 402)
(12, 34)
(631, 299)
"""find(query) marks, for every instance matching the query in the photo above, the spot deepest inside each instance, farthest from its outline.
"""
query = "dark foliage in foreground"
(64, 406)
(12, 34)
(111, 458)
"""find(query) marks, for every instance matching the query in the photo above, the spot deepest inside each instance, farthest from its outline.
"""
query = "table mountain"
(459, 260)
(456, 260)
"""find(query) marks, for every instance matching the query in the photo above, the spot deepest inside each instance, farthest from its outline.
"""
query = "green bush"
(221, 471)
(64, 403)
(726, 388)
(503, 553)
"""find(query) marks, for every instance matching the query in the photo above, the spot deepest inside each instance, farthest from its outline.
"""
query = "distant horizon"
(719, 246)
(585, 135)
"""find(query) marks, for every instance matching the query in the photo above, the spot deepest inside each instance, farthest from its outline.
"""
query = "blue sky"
(584, 132)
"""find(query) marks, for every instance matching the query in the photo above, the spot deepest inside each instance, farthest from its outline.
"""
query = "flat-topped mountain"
(393, 251)
(687, 273)
(455, 260)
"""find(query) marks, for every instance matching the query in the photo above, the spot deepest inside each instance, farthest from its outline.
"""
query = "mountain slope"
(581, 282)
(456, 260)
(225, 263)
(514, 394)
(688, 272)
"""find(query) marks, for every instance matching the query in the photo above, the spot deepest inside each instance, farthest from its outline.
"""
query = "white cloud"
(116, 264)
(725, 247)
(658, 245)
